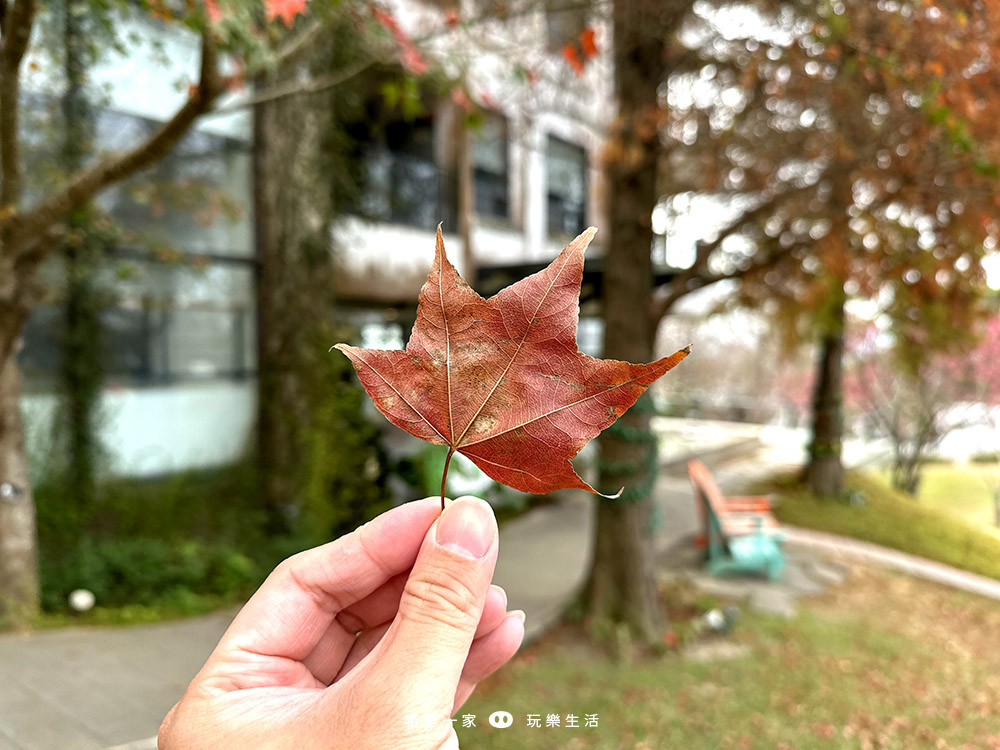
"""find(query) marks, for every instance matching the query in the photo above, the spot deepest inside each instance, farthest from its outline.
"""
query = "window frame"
(502, 177)
(549, 195)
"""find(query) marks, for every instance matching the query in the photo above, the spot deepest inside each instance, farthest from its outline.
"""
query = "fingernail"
(467, 527)
(519, 614)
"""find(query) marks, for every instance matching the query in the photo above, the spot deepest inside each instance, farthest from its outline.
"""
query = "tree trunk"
(622, 585)
(466, 191)
(18, 537)
(81, 372)
(291, 205)
(18, 544)
(825, 473)
(906, 472)
(319, 458)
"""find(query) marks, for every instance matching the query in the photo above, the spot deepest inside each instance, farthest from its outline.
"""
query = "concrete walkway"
(92, 688)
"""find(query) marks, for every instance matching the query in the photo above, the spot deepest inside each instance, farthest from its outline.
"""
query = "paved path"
(88, 688)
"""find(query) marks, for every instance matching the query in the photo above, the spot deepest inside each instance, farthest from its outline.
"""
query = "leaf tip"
(439, 253)
(614, 496)
(581, 242)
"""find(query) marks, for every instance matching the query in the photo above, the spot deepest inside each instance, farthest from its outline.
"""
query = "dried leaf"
(573, 58)
(588, 42)
(409, 56)
(501, 380)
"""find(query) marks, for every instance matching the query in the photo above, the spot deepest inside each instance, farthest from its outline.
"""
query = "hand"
(371, 641)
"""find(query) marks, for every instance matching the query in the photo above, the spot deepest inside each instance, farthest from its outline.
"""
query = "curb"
(891, 558)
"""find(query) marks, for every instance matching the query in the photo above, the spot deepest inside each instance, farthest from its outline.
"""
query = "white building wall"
(390, 262)
(158, 430)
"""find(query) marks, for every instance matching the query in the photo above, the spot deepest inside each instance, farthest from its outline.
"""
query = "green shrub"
(147, 572)
(219, 504)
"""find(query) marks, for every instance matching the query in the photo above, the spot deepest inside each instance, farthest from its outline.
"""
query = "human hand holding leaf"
(501, 380)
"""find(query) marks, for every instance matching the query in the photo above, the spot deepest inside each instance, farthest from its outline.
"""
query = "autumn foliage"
(853, 146)
(501, 380)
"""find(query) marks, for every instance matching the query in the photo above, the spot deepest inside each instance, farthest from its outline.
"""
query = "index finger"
(297, 603)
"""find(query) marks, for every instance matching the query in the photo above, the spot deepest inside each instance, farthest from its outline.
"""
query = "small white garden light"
(81, 600)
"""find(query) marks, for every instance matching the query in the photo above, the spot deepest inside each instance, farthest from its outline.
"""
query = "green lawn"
(895, 520)
(966, 491)
(884, 661)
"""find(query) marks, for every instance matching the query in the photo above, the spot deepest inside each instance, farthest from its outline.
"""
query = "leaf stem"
(444, 474)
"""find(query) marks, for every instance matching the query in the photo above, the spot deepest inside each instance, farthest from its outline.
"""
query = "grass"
(895, 520)
(964, 491)
(885, 661)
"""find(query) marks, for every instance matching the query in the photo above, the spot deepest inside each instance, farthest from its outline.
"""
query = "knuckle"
(442, 600)
(285, 567)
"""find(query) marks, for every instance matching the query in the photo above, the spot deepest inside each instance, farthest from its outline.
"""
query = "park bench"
(740, 534)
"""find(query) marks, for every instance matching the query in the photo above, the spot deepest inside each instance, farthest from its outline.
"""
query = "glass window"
(590, 336)
(566, 187)
(197, 199)
(489, 167)
(402, 182)
(166, 321)
(382, 335)
(178, 322)
(41, 356)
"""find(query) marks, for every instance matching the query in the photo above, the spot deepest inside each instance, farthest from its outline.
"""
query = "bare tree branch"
(698, 277)
(337, 77)
(292, 88)
(18, 21)
(299, 43)
(87, 182)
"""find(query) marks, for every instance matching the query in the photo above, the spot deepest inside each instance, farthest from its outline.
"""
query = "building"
(181, 388)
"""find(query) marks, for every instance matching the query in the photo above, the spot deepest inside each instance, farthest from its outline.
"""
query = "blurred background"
(198, 200)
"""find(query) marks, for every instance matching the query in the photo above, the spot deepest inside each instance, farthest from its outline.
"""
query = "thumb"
(443, 601)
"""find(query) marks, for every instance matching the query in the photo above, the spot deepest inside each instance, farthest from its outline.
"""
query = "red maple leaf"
(501, 380)
(409, 55)
(213, 11)
(573, 58)
(286, 10)
(587, 43)
(461, 98)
